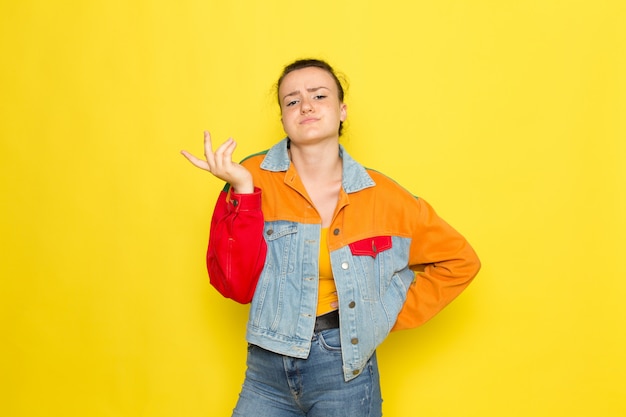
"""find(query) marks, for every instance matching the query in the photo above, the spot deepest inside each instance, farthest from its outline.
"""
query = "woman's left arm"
(445, 264)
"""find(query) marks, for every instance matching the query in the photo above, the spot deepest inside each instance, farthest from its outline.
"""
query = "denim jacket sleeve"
(445, 264)
(237, 249)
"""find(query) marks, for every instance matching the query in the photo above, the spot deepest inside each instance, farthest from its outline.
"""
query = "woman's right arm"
(237, 249)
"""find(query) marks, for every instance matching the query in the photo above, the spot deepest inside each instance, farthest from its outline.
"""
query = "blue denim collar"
(355, 177)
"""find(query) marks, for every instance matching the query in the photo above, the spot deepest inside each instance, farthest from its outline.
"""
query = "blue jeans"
(282, 386)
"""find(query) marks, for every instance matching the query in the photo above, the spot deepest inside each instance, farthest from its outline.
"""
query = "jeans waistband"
(327, 321)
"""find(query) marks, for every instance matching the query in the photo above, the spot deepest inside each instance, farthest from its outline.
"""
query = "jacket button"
(352, 304)
(355, 340)
(235, 203)
(269, 232)
(356, 372)
(336, 232)
(344, 265)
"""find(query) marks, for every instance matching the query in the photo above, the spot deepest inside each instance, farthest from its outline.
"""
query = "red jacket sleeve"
(237, 249)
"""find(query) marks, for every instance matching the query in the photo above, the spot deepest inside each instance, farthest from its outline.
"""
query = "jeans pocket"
(330, 340)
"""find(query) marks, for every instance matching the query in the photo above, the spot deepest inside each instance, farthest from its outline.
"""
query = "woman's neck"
(318, 162)
(320, 170)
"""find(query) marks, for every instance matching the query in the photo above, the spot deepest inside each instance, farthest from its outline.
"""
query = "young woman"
(331, 255)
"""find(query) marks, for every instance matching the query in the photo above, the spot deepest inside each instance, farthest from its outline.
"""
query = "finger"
(223, 155)
(208, 149)
(195, 161)
(227, 154)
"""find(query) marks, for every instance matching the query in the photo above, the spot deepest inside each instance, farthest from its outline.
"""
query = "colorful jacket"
(395, 262)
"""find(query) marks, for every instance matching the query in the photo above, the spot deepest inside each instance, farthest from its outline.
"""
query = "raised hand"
(220, 164)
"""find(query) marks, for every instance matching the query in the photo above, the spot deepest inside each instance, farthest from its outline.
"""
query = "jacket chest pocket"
(371, 246)
(373, 265)
(268, 302)
(281, 246)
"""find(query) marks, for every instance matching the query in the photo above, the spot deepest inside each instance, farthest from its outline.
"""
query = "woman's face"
(310, 106)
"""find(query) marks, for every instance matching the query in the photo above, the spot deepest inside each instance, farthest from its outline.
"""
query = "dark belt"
(327, 321)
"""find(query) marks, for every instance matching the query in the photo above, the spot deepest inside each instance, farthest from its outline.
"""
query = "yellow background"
(507, 116)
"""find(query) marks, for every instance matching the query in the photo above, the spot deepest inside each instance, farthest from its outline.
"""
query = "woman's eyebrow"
(310, 90)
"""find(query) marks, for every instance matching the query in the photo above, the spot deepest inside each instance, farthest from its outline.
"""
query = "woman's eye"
(291, 103)
(319, 97)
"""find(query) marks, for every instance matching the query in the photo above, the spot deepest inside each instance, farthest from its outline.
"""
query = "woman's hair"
(307, 63)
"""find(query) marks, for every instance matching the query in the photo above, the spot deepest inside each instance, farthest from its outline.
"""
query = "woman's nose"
(306, 106)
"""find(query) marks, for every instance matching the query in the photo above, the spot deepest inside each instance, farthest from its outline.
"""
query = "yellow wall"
(508, 116)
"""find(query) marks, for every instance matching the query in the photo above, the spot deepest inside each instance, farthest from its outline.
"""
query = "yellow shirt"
(327, 292)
